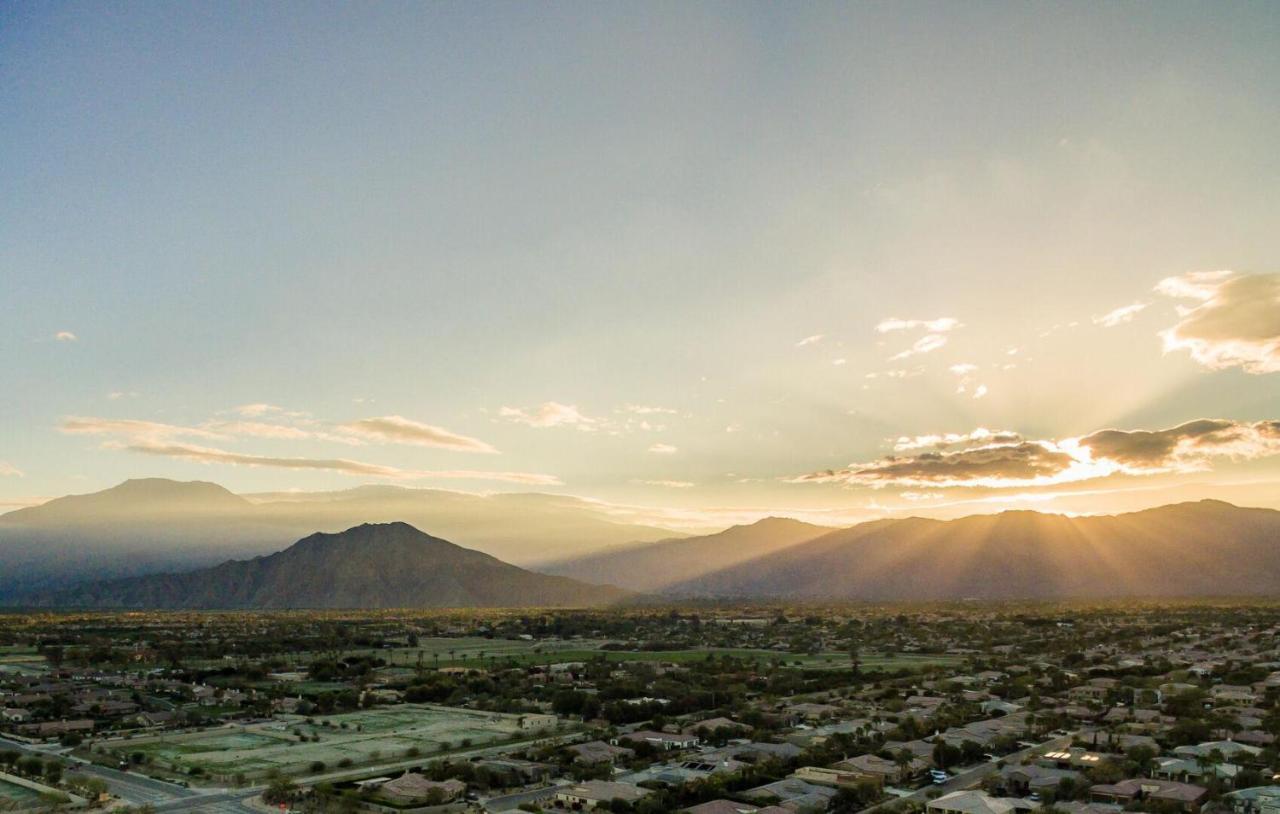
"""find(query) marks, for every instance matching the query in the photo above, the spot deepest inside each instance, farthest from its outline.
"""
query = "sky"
(708, 260)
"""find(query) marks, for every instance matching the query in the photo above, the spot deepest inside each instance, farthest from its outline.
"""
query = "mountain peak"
(373, 565)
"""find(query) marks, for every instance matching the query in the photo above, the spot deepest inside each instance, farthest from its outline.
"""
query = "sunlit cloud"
(667, 484)
(400, 430)
(1121, 315)
(648, 409)
(66, 336)
(258, 409)
(1235, 323)
(549, 414)
(979, 437)
(663, 449)
(980, 391)
(963, 368)
(8, 470)
(341, 465)
(1186, 447)
(940, 325)
(809, 340)
(933, 339)
(1006, 459)
(154, 430)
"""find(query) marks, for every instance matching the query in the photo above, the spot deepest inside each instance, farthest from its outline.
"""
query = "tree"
(280, 790)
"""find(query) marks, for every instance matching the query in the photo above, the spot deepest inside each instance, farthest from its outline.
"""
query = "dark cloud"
(990, 465)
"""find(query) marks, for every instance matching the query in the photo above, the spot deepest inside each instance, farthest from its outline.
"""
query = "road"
(510, 802)
(138, 790)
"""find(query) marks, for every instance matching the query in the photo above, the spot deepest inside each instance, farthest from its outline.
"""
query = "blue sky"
(594, 237)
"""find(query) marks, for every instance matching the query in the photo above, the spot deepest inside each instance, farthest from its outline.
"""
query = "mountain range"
(106, 544)
(1207, 548)
(384, 565)
(654, 567)
(155, 525)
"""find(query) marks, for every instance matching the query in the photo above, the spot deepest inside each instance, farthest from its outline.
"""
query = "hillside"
(654, 566)
(1186, 549)
(156, 525)
(392, 565)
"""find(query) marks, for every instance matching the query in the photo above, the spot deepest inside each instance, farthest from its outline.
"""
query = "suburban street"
(974, 775)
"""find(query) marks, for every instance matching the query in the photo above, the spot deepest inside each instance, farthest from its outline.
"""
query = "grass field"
(473, 652)
(294, 744)
(13, 795)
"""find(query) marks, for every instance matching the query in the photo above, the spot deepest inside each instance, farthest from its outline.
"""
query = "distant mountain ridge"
(655, 566)
(154, 525)
(385, 565)
(1208, 548)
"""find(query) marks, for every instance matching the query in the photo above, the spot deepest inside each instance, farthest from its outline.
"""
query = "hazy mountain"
(391, 565)
(654, 566)
(1187, 549)
(153, 525)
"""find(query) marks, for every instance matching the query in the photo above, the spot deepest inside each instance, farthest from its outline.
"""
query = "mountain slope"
(654, 566)
(392, 565)
(1186, 549)
(156, 525)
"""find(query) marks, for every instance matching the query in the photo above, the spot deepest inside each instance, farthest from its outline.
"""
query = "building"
(974, 802)
(1186, 796)
(596, 793)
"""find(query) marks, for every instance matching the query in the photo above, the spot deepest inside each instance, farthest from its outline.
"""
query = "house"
(1256, 800)
(1186, 796)
(836, 778)
(711, 725)
(1027, 778)
(1233, 694)
(973, 802)
(888, 771)
(594, 752)
(1186, 769)
(515, 772)
(794, 794)
(15, 716)
(416, 788)
(598, 793)
(660, 740)
(733, 807)
(1230, 750)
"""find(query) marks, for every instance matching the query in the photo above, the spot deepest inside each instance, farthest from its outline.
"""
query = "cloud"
(1121, 315)
(8, 470)
(810, 340)
(932, 340)
(668, 484)
(549, 414)
(154, 430)
(66, 336)
(980, 391)
(962, 369)
(400, 430)
(940, 325)
(663, 449)
(258, 409)
(993, 465)
(1005, 459)
(1186, 447)
(341, 465)
(979, 437)
(646, 409)
(925, 344)
(1235, 323)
